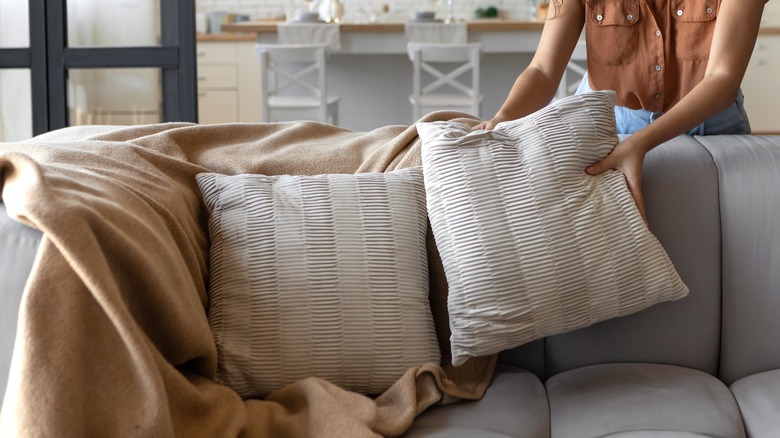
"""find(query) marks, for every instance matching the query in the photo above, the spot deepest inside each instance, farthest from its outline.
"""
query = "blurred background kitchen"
(364, 10)
(228, 74)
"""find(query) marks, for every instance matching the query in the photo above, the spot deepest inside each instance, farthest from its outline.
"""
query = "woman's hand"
(626, 158)
(490, 124)
(536, 86)
(732, 44)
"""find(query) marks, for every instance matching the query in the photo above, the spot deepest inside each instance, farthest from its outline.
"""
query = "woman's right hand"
(489, 124)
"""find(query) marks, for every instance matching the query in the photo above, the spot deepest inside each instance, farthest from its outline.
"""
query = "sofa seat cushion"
(515, 405)
(644, 399)
(758, 397)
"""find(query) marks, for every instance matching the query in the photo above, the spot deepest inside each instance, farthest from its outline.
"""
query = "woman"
(676, 66)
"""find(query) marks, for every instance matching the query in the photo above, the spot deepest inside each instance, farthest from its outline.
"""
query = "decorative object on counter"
(218, 18)
(424, 16)
(308, 17)
(369, 11)
(489, 12)
(201, 23)
(540, 8)
(450, 11)
(331, 11)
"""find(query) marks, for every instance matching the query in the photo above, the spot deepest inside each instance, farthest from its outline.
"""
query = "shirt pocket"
(611, 32)
(694, 24)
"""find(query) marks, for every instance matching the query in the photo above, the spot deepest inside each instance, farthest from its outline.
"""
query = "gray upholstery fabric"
(18, 248)
(749, 169)
(758, 397)
(528, 356)
(515, 405)
(602, 400)
(680, 187)
(656, 434)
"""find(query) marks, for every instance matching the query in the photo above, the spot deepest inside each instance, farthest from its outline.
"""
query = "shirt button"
(679, 12)
(599, 17)
(657, 67)
(657, 96)
(709, 10)
(630, 17)
(657, 33)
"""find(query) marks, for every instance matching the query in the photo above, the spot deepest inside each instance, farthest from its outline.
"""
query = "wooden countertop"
(224, 37)
(487, 25)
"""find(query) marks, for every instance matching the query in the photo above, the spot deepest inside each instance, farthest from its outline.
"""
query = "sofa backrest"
(749, 185)
(680, 184)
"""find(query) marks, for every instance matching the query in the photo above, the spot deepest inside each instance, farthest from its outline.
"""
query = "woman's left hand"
(628, 159)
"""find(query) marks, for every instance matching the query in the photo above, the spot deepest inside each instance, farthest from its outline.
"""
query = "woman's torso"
(651, 52)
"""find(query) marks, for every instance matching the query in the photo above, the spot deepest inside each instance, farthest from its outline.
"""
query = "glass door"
(114, 96)
(16, 117)
(69, 62)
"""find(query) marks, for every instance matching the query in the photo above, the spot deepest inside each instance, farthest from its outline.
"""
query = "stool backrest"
(292, 70)
(446, 64)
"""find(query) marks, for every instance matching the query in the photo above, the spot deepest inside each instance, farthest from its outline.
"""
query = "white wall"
(399, 9)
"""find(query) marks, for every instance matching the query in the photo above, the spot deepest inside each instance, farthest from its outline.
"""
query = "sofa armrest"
(18, 249)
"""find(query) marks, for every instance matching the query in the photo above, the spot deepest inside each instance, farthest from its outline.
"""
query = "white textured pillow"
(531, 245)
(318, 276)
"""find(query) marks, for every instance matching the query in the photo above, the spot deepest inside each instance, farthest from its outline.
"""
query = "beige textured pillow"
(531, 245)
(322, 276)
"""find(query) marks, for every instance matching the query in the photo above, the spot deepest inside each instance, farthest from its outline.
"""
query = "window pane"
(113, 23)
(116, 96)
(15, 105)
(14, 23)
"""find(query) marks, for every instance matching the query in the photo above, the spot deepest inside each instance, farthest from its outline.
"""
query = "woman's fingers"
(634, 181)
(630, 166)
(488, 124)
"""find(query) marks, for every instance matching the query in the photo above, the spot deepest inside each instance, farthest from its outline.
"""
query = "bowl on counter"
(308, 17)
(424, 15)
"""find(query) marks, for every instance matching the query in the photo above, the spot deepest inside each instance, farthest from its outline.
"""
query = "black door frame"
(49, 59)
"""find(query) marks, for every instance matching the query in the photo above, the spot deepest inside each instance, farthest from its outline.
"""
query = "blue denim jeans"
(732, 120)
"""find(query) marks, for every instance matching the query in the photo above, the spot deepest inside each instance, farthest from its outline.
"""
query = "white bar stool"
(445, 64)
(294, 83)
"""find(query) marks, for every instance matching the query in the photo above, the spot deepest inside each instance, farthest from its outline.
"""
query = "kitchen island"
(496, 36)
(373, 75)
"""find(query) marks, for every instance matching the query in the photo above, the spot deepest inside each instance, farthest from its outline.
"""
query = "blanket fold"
(113, 338)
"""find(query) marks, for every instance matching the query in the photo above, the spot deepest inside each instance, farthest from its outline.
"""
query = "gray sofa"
(706, 365)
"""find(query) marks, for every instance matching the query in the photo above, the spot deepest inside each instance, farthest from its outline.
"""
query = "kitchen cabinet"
(228, 82)
(761, 87)
(760, 84)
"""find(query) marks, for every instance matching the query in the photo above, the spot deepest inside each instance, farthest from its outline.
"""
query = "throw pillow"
(318, 276)
(531, 245)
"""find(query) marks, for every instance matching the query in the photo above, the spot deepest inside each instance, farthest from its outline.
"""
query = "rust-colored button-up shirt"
(651, 52)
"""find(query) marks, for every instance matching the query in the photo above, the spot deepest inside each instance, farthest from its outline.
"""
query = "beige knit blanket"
(113, 338)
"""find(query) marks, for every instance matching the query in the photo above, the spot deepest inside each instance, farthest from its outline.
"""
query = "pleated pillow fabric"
(318, 276)
(531, 245)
